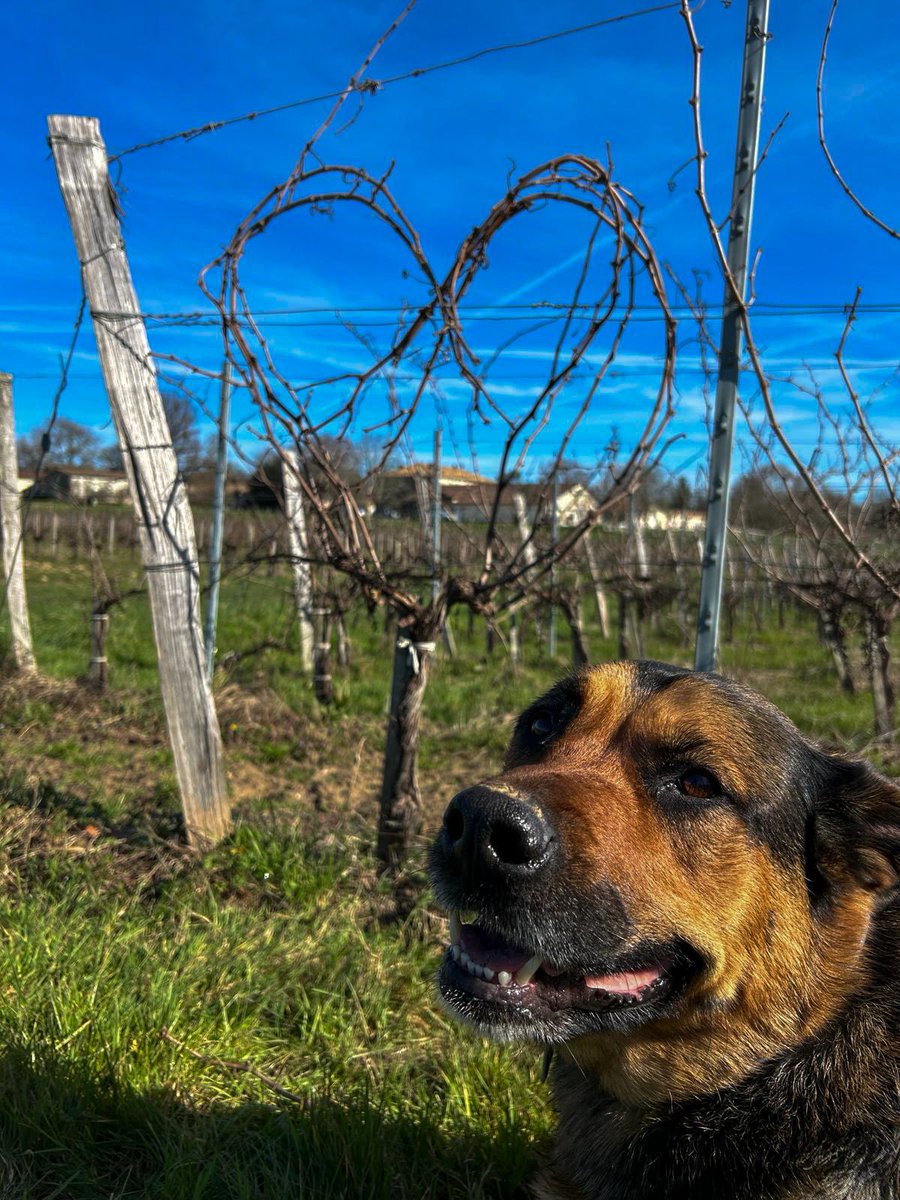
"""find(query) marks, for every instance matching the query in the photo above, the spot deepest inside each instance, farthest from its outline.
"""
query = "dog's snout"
(488, 830)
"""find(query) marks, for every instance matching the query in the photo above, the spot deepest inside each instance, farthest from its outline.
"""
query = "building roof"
(451, 474)
(85, 472)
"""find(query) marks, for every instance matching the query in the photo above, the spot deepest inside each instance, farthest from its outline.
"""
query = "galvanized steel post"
(218, 521)
(756, 36)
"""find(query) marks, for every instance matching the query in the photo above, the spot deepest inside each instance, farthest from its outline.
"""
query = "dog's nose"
(498, 832)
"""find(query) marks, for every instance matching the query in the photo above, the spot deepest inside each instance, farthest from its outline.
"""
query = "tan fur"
(775, 977)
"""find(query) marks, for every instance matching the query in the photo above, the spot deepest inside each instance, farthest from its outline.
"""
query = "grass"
(273, 953)
(144, 995)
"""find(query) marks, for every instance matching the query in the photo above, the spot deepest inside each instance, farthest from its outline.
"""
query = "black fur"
(820, 1120)
(820, 1123)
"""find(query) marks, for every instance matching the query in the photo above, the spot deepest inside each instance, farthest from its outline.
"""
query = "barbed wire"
(494, 313)
(621, 372)
(370, 86)
(790, 307)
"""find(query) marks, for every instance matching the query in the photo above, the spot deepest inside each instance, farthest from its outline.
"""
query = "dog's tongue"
(627, 983)
(491, 951)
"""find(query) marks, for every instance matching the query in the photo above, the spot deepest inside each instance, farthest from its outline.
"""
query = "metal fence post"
(218, 521)
(755, 38)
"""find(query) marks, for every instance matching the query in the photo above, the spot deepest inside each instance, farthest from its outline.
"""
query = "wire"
(802, 307)
(369, 86)
(342, 317)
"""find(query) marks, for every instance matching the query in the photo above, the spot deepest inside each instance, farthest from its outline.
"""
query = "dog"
(697, 911)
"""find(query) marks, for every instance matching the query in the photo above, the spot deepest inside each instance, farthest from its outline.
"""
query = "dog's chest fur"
(821, 1123)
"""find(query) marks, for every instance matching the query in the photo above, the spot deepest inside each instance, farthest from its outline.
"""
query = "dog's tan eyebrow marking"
(606, 700)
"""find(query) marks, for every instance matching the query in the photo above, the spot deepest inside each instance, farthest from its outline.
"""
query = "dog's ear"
(856, 819)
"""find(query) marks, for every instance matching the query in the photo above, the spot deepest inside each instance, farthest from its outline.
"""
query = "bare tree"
(820, 109)
(68, 444)
(856, 473)
(313, 418)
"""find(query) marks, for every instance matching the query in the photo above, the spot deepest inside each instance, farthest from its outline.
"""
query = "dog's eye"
(700, 785)
(542, 724)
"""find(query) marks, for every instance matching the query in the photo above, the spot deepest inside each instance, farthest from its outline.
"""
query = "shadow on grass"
(158, 818)
(65, 1135)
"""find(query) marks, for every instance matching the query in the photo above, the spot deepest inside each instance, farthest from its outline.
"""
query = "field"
(263, 1023)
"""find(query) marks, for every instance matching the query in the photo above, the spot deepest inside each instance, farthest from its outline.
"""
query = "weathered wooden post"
(98, 672)
(590, 557)
(877, 655)
(299, 543)
(529, 554)
(515, 656)
(323, 684)
(21, 648)
(157, 488)
(400, 807)
(554, 538)
(344, 653)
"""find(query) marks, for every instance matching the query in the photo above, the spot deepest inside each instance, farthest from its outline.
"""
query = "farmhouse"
(398, 492)
(467, 496)
(85, 485)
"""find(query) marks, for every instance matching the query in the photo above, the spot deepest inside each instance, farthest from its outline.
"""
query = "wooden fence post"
(400, 809)
(21, 648)
(157, 488)
(299, 544)
(98, 671)
(590, 557)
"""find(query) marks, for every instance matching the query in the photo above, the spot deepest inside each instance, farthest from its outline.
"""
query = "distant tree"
(191, 454)
(110, 457)
(182, 419)
(69, 444)
(681, 494)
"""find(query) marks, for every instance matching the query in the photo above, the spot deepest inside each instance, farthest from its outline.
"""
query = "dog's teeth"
(488, 974)
(504, 978)
(526, 973)
(464, 959)
(455, 928)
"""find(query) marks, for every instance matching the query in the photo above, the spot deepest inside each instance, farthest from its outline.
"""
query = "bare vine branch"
(820, 111)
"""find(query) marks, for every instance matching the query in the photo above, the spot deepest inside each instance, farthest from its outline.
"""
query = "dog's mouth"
(511, 991)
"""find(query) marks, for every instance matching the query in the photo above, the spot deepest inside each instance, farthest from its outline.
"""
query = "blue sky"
(454, 136)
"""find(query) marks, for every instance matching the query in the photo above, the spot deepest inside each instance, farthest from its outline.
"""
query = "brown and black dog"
(698, 909)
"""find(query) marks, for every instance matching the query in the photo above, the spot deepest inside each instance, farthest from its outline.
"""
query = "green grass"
(272, 953)
(278, 952)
